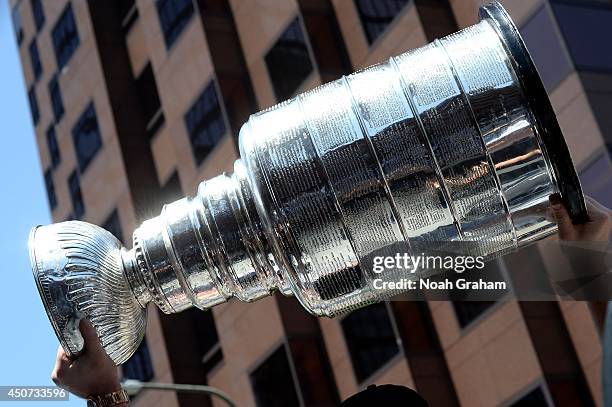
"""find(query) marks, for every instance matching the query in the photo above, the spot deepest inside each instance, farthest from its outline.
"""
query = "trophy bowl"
(79, 273)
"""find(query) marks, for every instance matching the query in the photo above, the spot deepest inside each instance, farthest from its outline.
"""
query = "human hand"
(92, 373)
(597, 229)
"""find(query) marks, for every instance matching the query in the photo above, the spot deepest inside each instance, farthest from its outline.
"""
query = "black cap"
(385, 395)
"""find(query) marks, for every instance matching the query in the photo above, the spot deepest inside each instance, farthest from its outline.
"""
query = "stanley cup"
(452, 142)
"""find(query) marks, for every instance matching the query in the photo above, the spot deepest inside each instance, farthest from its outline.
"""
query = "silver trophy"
(452, 142)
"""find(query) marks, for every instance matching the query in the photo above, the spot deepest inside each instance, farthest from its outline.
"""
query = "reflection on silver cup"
(454, 142)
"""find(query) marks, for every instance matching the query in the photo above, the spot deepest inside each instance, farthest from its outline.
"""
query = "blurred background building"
(136, 101)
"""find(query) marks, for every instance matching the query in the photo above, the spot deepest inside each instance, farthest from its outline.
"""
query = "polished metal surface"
(440, 145)
(79, 273)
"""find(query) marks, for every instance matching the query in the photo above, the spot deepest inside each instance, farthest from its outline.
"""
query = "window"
(65, 37)
(128, 13)
(480, 301)
(56, 99)
(50, 189)
(227, 56)
(113, 225)
(536, 397)
(205, 123)
(370, 338)
(33, 105)
(272, 381)
(376, 15)
(149, 101)
(86, 137)
(139, 366)
(74, 186)
(582, 24)
(16, 15)
(39, 15)
(54, 152)
(546, 48)
(326, 42)
(174, 16)
(35, 59)
(468, 311)
(598, 89)
(596, 179)
(205, 332)
(212, 358)
(288, 61)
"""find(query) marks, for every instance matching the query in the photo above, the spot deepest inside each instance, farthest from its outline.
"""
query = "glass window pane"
(327, 45)
(54, 152)
(598, 88)
(370, 339)
(74, 186)
(535, 397)
(468, 311)
(139, 366)
(288, 61)
(376, 15)
(587, 31)
(546, 48)
(65, 37)
(33, 105)
(56, 99)
(35, 60)
(113, 225)
(50, 189)
(128, 13)
(16, 15)
(205, 331)
(174, 15)
(272, 382)
(38, 13)
(149, 100)
(205, 123)
(596, 179)
(86, 137)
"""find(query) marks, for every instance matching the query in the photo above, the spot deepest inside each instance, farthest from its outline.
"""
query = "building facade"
(135, 102)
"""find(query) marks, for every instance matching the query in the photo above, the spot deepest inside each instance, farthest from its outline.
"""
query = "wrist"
(105, 388)
(116, 398)
(105, 384)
